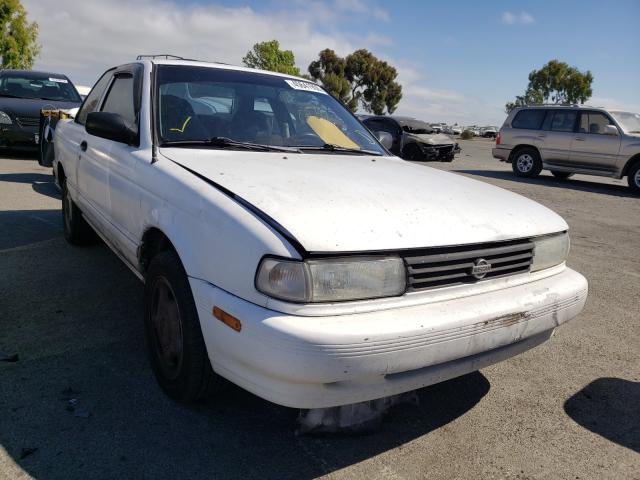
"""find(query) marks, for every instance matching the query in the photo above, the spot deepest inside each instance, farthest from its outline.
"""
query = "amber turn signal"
(227, 319)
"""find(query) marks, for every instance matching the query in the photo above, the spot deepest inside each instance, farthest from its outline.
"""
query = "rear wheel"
(76, 229)
(561, 175)
(173, 337)
(633, 177)
(526, 163)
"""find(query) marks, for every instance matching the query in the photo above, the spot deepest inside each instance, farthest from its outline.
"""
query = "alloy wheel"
(525, 163)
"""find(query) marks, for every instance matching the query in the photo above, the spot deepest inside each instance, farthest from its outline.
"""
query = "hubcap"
(167, 328)
(636, 178)
(525, 163)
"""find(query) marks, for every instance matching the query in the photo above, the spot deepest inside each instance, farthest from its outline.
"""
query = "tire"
(526, 163)
(412, 152)
(633, 177)
(76, 229)
(173, 338)
(561, 175)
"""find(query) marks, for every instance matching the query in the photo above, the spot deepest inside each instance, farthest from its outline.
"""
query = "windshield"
(203, 103)
(630, 122)
(46, 87)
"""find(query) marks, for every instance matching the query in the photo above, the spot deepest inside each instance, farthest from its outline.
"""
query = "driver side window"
(93, 99)
(120, 100)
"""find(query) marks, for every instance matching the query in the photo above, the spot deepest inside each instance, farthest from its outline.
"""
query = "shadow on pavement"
(19, 154)
(550, 181)
(82, 402)
(24, 227)
(609, 407)
(41, 183)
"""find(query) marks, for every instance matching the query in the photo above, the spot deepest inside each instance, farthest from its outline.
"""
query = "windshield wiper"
(330, 147)
(224, 142)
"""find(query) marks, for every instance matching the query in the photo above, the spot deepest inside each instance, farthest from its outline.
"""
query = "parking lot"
(81, 401)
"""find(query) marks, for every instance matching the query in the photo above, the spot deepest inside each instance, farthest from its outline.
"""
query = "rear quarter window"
(529, 119)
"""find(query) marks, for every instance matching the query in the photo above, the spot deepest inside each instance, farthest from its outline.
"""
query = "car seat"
(178, 121)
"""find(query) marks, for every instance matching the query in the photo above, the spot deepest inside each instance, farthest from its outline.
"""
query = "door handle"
(580, 139)
(83, 145)
(542, 135)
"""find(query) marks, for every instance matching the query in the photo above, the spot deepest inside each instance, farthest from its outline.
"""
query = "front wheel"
(173, 337)
(633, 177)
(76, 229)
(561, 175)
(526, 163)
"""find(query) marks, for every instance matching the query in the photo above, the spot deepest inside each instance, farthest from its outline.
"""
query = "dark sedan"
(22, 95)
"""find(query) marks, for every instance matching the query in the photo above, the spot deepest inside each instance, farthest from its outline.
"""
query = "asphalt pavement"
(81, 402)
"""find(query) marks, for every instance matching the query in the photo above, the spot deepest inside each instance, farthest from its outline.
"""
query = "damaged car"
(413, 139)
(284, 249)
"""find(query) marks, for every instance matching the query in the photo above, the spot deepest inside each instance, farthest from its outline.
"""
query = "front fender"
(218, 240)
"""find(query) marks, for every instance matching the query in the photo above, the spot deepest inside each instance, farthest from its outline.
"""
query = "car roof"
(216, 65)
(555, 105)
(32, 73)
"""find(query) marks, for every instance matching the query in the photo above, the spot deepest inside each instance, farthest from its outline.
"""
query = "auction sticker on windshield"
(308, 86)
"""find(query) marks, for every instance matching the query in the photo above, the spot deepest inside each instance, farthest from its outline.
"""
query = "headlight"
(5, 119)
(549, 251)
(331, 280)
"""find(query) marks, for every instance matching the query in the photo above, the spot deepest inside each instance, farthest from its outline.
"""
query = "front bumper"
(316, 362)
(439, 153)
(17, 137)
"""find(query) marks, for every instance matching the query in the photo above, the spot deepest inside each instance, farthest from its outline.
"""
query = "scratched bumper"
(314, 362)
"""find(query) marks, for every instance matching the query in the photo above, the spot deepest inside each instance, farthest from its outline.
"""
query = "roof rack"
(561, 105)
(166, 56)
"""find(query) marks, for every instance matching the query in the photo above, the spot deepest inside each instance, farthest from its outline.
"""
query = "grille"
(28, 121)
(445, 266)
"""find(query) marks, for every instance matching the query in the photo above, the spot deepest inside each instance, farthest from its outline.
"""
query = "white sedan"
(283, 248)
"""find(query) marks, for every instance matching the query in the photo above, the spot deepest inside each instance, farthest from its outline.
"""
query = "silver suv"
(571, 139)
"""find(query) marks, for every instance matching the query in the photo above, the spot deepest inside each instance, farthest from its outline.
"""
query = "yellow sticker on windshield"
(184, 125)
(329, 133)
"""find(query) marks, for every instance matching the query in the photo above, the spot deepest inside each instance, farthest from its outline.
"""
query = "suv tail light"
(498, 139)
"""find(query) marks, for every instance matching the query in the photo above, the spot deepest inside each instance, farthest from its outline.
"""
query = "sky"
(458, 62)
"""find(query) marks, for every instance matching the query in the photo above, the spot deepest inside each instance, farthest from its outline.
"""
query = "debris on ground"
(354, 419)
(9, 357)
(26, 451)
(82, 413)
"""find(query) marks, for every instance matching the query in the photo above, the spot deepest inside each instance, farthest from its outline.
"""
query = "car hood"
(349, 203)
(431, 138)
(30, 107)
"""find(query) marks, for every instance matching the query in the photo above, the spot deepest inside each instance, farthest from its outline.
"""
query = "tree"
(556, 82)
(358, 79)
(268, 56)
(18, 40)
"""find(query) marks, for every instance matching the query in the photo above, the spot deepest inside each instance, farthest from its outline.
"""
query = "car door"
(124, 98)
(591, 146)
(92, 165)
(558, 130)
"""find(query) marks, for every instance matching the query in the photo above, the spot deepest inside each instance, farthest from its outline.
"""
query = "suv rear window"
(529, 119)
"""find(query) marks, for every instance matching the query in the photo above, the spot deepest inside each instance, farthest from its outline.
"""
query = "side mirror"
(610, 130)
(110, 126)
(385, 138)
